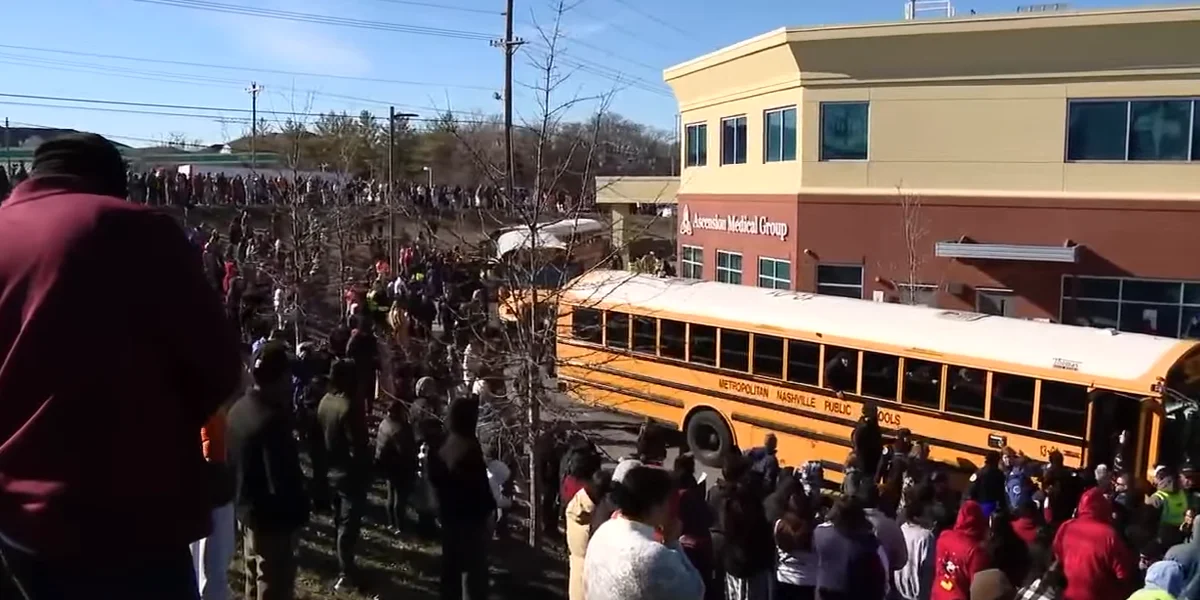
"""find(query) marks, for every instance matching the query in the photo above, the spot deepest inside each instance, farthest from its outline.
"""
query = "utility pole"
(254, 91)
(509, 44)
(391, 197)
(7, 149)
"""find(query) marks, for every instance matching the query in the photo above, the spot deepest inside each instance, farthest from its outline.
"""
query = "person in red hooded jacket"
(1095, 561)
(960, 554)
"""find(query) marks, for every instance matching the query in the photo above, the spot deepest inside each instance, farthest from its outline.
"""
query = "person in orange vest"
(211, 555)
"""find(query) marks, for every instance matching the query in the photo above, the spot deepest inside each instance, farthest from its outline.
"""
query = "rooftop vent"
(961, 315)
(924, 9)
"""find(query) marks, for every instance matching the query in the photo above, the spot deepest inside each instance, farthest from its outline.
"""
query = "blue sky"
(611, 46)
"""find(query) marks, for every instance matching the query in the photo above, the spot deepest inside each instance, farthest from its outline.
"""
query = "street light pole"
(254, 91)
(391, 184)
(429, 171)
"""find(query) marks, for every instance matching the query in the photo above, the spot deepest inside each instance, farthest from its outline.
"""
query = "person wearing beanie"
(992, 584)
(128, 498)
(270, 501)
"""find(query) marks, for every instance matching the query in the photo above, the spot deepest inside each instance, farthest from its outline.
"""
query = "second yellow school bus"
(727, 364)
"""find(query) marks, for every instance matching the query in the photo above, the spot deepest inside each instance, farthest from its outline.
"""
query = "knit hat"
(87, 157)
(991, 584)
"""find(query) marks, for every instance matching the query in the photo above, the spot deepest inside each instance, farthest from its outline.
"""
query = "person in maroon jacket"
(103, 483)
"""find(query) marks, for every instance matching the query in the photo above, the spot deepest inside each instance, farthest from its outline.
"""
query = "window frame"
(719, 269)
(821, 131)
(701, 158)
(628, 330)
(862, 279)
(774, 279)
(1193, 155)
(903, 288)
(685, 261)
(600, 326)
(745, 123)
(783, 150)
(1183, 306)
(994, 290)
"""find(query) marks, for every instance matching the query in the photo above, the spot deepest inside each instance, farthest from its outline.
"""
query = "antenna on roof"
(1039, 8)
(917, 9)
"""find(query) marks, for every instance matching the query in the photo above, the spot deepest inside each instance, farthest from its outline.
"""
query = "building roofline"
(967, 24)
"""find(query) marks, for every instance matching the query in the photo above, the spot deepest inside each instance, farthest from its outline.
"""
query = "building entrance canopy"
(1016, 252)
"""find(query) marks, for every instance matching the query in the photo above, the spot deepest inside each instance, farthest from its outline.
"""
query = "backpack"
(1018, 487)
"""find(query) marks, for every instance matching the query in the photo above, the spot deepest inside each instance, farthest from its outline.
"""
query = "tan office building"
(1034, 165)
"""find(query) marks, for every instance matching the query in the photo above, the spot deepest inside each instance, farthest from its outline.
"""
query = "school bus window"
(702, 345)
(965, 390)
(804, 360)
(768, 356)
(879, 375)
(841, 369)
(735, 350)
(922, 383)
(645, 334)
(586, 325)
(672, 341)
(1012, 399)
(616, 330)
(1064, 408)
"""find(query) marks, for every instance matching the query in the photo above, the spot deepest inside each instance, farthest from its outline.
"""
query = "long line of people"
(897, 530)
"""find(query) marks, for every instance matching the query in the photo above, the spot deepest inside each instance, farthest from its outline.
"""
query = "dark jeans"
(465, 561)
(314, 442)
(165, 576)
(270, 564)
(349, 501)
(786, 591)
(398, 490)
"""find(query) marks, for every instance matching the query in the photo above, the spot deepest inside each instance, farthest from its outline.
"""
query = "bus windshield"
(1181, 404)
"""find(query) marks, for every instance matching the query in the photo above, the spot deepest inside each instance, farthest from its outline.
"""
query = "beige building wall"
(973, 104)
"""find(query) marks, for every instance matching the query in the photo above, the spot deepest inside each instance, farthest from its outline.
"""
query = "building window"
(844, 130)
(840, 280)
(1001, 303)
(1161, 129)
(733, 141)
(1166, 308)
(697, 144)
(691, 262)
(729, 267)
(774, 273)
(918, 294)
(780, 132)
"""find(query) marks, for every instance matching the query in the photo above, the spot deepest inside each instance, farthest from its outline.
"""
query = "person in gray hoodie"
(914, 579)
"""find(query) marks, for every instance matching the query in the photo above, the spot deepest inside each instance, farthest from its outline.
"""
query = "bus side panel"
(808, 414)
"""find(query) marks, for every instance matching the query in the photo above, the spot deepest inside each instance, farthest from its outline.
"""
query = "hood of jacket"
(1094, 506)
(971, 521)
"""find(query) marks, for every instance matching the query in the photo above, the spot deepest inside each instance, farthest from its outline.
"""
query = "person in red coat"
(960, 554)
(1095, 561)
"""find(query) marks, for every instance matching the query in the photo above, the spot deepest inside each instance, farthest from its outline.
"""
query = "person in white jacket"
(914, 580)
(498, 476)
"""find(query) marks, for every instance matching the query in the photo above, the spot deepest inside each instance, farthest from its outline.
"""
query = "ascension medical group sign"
(748, 225)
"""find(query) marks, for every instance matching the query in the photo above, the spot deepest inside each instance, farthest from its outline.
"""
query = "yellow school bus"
(727, 364)
(540, 264)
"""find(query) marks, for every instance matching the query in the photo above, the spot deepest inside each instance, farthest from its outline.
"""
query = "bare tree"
(914, 230)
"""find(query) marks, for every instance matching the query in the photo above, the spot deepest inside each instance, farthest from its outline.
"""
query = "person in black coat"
(269, 500)
(396, 460)
(343, 425)
(466, 506)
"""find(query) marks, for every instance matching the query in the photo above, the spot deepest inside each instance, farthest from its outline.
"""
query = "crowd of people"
(140, 433)
(897, 530)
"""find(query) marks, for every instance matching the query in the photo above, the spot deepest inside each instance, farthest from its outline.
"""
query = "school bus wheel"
(708, 437)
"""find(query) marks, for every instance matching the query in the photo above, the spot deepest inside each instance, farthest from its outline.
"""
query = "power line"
(205, 5)
(180, 63)
(318, 19)
(466, 9)
(655, 19)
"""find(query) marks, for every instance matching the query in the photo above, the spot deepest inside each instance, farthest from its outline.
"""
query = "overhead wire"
(181, 63)
(655, 19)
(319, 19)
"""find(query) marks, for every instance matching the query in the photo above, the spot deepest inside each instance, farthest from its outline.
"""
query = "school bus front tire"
(708, 437)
